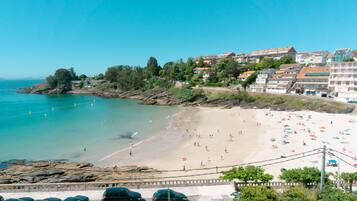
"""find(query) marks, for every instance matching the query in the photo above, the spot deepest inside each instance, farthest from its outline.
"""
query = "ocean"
(71, 127)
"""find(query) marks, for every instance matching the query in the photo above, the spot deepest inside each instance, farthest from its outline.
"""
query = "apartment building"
(275, 53)
(313, 58)
(283, 79)
(312, 81)
(343, 80)
(261, 81)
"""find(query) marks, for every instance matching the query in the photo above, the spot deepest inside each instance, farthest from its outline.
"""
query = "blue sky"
(39, 36)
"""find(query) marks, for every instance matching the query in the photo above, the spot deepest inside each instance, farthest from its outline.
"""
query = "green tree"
(330, 193)
(126, 77)
(348, 60)
(286, 60)
(64, 78)
(82, 77)
(201, 62)
(51, 82)
(349, 178)
(152, 67)
(249, 80)
(100, 76)
(111, 74)
(305, 175)
(248, 173)
(257, 193)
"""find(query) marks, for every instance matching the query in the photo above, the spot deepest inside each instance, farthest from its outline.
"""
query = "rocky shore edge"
(21, 171)
(158, 96)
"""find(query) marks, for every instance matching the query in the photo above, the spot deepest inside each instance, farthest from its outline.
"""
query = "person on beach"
(85, 149)
(225, 149)
(130, 153)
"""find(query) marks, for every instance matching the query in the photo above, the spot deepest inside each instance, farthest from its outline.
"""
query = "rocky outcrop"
(42, 89)
(56, 171)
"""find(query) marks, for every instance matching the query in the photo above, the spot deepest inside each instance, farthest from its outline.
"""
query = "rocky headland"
(21, 171)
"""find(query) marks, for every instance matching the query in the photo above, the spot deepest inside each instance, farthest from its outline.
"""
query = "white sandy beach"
(207, 137)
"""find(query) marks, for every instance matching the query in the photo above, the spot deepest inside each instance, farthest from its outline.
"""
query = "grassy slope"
(264, 100)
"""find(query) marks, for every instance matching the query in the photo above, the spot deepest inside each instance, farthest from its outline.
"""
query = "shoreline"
(234, 136)
(203, 138)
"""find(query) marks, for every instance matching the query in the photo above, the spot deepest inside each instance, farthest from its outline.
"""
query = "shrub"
(329, 193)
(249, 173)
(299, 194)
(258, 193)
(187, 94)
(304, 175)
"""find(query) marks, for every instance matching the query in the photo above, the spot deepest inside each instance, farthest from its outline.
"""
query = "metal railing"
(48, 187)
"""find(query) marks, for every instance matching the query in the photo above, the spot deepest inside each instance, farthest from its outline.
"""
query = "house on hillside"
(314, 58)
(340, 55)
(283, 79)
(205, 73)
(213, 59)
(260, 82)
(275, 53)
(312, 81)
(245, 75)
(87, 83)
(241, 58)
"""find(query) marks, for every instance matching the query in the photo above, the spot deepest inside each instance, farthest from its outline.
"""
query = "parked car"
(121, 194)
(26, 199)
(52, 199)
(82, 197)
(165, 194)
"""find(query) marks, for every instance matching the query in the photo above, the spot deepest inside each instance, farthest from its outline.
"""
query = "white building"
(260, 82)
(283, 79)
(241, 58)
(280, 86)
(314, 58)
(274, 53)
(343, 80)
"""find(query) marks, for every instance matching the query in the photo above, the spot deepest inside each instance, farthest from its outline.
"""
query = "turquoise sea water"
(39, 127)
